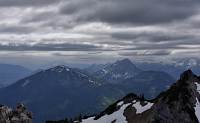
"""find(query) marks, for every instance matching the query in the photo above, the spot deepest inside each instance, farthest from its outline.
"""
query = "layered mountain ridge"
(61, 87)
(71, 91)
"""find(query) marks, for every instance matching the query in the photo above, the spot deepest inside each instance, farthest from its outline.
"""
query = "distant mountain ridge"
(149, 83)
(61, 87)
(94, 68)
(11, 73)
(118, 71)
(70, 89)
(133, 79)
(175, 68)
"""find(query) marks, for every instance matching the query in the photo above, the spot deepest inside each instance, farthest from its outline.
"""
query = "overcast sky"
(88, 31)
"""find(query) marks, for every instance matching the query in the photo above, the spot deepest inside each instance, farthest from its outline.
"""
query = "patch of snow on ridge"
(105, 71)
(94, 82)
(117, 116)
(67, 69)
(91, 81)
(198, 87)
(120, 103)
(197, 106)
(25, 83)
(60, 68)
(127, 75)
(197, 109)
(140, 109)
(116, 76)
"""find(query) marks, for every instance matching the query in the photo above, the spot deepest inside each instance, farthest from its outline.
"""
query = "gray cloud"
(64, 55)
(38, 17)
(146, 53)
(105, 28)
(75, 6)
(131, 11)
(16, 29)
(49, 47)
(171, 45)
(150, 36)
(24, 3)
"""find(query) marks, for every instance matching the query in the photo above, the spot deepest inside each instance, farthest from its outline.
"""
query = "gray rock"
(19, 115)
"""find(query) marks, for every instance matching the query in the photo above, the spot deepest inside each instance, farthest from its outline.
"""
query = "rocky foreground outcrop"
(18, 115)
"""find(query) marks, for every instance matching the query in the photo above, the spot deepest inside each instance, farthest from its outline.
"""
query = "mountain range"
(62, 88)
(174, 69)
(131, 78)
(71, 91)
(118, 71)
(11, 73)
(178, 104)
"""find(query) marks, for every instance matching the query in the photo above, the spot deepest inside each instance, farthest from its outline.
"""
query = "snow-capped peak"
(60, 68)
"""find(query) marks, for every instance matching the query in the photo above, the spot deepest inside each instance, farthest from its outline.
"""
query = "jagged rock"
(19, 115)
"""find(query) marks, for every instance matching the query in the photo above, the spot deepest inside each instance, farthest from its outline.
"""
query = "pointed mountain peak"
(60, 68)
(125, 60)
(187, 75)
(184, 87)
(117, 71)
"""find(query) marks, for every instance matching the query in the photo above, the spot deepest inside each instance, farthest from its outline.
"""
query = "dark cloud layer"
(149, 36)
(16, 29)
(48, 47)
(146, 53)
(25, 3)
(101, 28)
(131, 11)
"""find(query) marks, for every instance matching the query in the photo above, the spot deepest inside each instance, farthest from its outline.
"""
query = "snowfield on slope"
(117, 116)
(140, 109)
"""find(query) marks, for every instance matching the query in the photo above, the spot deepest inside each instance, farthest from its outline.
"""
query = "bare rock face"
(177, 104)
(18, 115)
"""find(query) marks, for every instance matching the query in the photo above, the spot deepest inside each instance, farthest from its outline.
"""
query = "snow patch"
(116, 76)
(117, 116)
(197, 106)
(25, 83)
(140, 109)
(134, 101)
(81, 74)
(126, 75)
(60, 68)
(105, 71)
(94, 82)
(91, 81)
(120, 103)
(198, 87)
(67, 69)
(197, 109)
